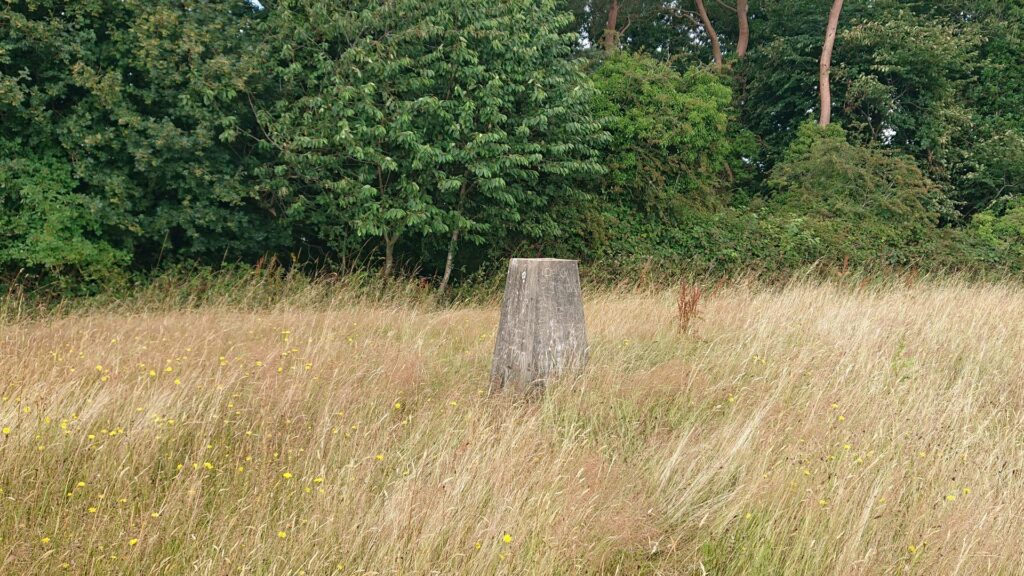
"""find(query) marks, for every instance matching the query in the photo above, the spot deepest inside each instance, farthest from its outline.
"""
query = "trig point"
(542, 333)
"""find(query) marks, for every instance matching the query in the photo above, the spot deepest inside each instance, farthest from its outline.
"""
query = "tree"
(335, 116)
(825, 65)
(906, 95)
(670, 145)
(121, 136)
(456, 119)
(991, 90)
(660, 27)
(716, 47)
(611, 30)
(743, 21)
(999, 233)
(856, 202)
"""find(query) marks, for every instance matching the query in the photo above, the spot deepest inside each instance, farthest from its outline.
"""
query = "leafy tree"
(453, 133)
(46, 225)
(994, 155)
(1000, 232)
(857, 202)
(923, 113)
(674, 151)
(670, 145)
(122, 123)
(664, 29)
(886, 90)
(461, 119)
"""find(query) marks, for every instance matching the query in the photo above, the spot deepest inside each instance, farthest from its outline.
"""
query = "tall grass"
(811, 428)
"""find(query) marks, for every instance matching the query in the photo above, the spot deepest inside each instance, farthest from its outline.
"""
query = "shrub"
(670, 147)
(855, 202)
(998, 233)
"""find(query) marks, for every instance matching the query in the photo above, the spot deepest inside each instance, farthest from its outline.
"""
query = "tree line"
(442, 136)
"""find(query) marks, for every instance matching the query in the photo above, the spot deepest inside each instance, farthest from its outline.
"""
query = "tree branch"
(724, 5)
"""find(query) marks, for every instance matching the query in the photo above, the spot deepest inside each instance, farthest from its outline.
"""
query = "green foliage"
(779, 76)
(998, 168)
(672, 159)
(139, 135)
(999, 233)
(122, 121)
(995, 162)
(423, 119)
(930, 121)
(947, 98)
(670, 144)
(656, 27)
(855, 202)
(46, 225)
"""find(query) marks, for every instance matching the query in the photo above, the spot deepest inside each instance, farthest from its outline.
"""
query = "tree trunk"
(611, 41)
(542, 333)
(716, 48)
(449, 260)
(744, 24)
(453, 243)
(389, 253)
(825, 65)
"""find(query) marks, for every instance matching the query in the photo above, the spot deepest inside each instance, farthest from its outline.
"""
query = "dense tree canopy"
(456, 119)
(119, 140)
(447, 134)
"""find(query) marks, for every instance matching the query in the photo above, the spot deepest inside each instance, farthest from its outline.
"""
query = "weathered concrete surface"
(542, 333)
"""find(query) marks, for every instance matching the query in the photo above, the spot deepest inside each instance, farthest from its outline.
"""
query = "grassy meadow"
(811, 428)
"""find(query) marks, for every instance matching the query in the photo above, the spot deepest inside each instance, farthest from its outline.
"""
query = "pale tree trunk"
(716, 48)
(453, 243)
(825, 65)
(610, 40)
(389, 253)
(744, 39)
(449, 260)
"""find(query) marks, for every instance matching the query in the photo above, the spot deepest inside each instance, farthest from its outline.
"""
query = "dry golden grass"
(812, 429)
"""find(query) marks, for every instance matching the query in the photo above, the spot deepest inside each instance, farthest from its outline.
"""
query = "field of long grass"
(815, 428)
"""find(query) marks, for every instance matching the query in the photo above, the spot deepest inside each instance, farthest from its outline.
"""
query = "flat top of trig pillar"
(545, 259)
